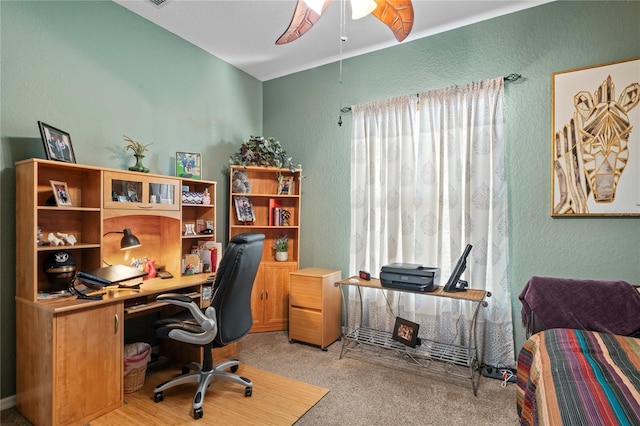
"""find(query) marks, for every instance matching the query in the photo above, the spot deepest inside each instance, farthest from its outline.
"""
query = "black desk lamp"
(128, 241)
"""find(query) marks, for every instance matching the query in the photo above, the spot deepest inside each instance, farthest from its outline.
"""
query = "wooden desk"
(448, 356)
(70, 352)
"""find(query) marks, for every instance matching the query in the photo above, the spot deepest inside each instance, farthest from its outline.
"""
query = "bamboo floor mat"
(276, 400)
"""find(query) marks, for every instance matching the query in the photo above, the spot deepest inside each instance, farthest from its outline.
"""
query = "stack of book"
(277, 215)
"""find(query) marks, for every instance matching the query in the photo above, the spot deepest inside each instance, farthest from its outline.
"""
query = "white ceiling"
(243, 32)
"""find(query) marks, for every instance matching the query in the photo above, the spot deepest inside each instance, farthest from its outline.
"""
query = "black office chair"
(227, 319)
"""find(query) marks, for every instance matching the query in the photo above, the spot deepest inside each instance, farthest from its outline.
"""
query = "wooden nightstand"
(315, 314)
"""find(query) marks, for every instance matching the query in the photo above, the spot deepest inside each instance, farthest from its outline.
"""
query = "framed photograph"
(595, 162)
(57, 143)
(285, 185)
(189, 165)
(61, 193)
(406, 332)
(244, 209)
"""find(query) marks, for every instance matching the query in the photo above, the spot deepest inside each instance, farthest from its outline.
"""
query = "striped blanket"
(577, 377)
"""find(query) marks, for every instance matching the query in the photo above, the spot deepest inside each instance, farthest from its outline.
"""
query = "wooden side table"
(315, 309)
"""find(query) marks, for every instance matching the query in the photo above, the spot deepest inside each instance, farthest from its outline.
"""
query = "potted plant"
(281, 247)
(266, 152)
(138, 152)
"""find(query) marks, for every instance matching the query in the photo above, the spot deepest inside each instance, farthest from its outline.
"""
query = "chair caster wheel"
(198, 413)
(185, 370)
(248, 391)
(234, 369)
(158, 396)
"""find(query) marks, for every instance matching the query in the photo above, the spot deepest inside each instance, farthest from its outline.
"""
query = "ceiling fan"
(395, 14)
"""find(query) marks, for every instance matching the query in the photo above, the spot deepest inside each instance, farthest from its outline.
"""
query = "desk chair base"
(204, 379)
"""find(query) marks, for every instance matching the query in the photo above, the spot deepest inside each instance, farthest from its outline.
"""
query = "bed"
(581, 363)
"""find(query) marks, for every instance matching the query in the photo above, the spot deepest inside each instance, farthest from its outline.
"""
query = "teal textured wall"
(302, 111)
(98, 71)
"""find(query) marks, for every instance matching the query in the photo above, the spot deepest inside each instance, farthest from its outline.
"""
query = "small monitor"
(454, 283)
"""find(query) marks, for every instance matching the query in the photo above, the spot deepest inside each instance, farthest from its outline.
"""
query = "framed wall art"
(57, 143)
(596, 141)
(189, 165)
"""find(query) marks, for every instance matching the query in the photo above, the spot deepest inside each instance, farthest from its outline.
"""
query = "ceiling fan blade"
(397, 15)
(302, 21)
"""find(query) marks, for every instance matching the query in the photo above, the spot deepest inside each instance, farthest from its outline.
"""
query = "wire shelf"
(449, 357)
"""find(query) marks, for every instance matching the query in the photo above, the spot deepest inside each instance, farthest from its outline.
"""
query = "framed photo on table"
(61, 193)
(285, 185)
(189, 165)
(406, 332)
(57, 143)
(244, 209)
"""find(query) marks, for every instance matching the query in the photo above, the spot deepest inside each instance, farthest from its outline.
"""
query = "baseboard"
(8, 402)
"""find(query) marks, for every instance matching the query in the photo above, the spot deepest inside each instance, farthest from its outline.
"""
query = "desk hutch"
(270, 296)
(70, 351)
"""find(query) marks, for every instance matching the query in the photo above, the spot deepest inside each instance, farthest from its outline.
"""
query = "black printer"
(407, 276)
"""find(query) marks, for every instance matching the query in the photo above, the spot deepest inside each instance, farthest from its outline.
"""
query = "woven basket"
(134, 379)
(192, 197)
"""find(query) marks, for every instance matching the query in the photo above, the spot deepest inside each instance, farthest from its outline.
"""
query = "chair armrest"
(206, 319)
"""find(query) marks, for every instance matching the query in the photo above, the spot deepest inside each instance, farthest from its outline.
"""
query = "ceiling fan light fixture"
(395, 14)
(315, 5)
(361, 8)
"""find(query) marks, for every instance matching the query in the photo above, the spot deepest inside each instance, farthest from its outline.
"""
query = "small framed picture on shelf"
(244, 209)
(406, 332)
(285, 185)
(189, 165)
(61, 193)
(57, 143)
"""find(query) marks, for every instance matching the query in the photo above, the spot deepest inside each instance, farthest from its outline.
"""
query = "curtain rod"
(509, 78)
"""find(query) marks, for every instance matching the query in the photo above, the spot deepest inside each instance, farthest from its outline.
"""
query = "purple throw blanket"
(602, 306)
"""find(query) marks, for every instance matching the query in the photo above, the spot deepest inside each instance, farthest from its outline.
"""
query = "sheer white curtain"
(427, 178)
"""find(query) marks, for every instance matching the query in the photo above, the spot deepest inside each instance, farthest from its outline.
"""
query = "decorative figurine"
(206, 197)
(69, 238)
(239, 183)
(189, 229)
(55, 240)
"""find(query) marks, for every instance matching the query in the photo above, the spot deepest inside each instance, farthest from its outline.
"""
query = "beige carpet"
(363, 392)
(368, 391)
(276, 400)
